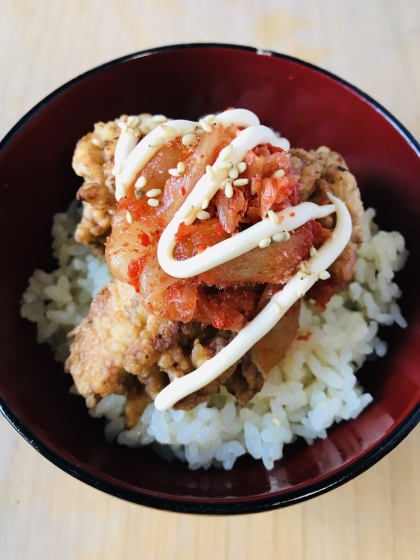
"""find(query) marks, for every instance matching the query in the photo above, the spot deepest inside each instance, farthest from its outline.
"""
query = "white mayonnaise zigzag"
(133, 159)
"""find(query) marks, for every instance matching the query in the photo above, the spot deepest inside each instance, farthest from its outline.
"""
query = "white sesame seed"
(313, 252)
(305, 267)
(211, 173)
(97, 142)
(225, 153)
(199, 132)
(275, 420)
(228, 190)
(133, 121)
(189, 140)
(169, 131)
(138, 193)
(241, 167)
(188, 211)
(153, 202)
(301, 275)
(279, 310)
(324, 275)
(225, 182)
(265, 242)
(277, 174)
(233, 173)
(192, 130)
(180, 167)
(210, 119)
(129, 217)
(159, 118)
(286, 235)
(223, 164)
(205, 125)
(157, 142)
(123, 125)
(205, 203)
(240, 182)
(137, 133)
(145, 129)
(279, 237)
(140, 183)
(153, 192)
(123, 190)
(174, 172)
(203, 215)
(272, 216)
(116, 170)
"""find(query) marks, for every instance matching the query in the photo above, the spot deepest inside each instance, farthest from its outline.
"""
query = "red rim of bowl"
(240, 506)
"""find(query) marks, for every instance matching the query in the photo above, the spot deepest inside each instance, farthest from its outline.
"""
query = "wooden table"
(46, 514)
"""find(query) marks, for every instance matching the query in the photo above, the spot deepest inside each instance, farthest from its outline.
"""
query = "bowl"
(309, 106)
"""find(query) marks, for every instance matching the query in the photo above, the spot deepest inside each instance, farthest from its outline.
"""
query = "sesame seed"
(228, 190)
(134, 121)
(225, 182)
(190, 131)
(140, 183)
(272, 216)
(286, 235)
(277, 174)
(279, 237)
(138, 193)
(123, 190)
(305, 267)
(145, 129)
(275, 420)
(137, 133)
(233, 173)
(203, 215)
(210, 119)
(153, 202)
(324, 275)
(159, 118)
(199, 132)
(129, 217)
(97, 142)
(153, 192)
(264, 242)
(123, 125)
(223, 164)
(180, 167)
(188, 211)
(240, 182)
(211, 173)
(279, 310)
(157, 142)
(174, 172)
(205, 125)
(301, 275)
(169, 131)
(225, 153)
(205, 203)
(313, 252)
(189, 140)
(241, 167)
(116, 170)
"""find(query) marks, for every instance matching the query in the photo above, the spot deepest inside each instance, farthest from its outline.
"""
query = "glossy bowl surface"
(310, 107)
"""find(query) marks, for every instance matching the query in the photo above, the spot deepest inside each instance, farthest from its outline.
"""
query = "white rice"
(312, 387)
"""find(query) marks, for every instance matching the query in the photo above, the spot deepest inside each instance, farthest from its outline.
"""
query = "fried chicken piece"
(336, 178)
(93, 160)
(121, 349)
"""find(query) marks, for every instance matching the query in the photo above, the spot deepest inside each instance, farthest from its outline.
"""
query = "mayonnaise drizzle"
(134, 158)
(265, 320)
(138, 157)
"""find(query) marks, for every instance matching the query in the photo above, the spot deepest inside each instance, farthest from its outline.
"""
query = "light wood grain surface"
(46, 514)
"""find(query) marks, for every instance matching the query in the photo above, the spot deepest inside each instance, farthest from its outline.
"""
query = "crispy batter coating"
(121, 349)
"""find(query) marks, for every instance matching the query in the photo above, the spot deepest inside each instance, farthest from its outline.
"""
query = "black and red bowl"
(309, 106)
